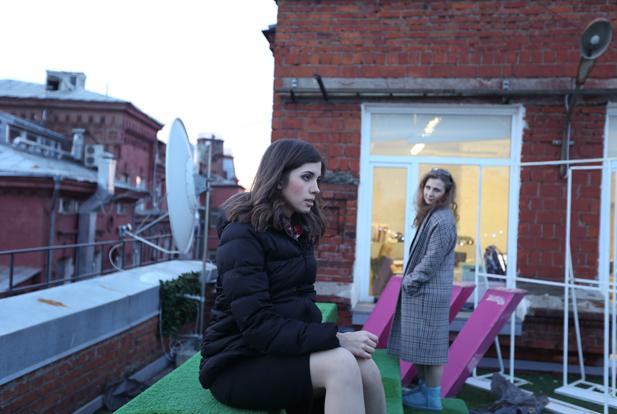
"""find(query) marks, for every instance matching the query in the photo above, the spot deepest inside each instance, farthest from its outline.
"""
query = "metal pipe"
(152, 223)
(52, 225)
(322, 88)
(566, 296)
(202, 281)
(11, 269)
(565, 141)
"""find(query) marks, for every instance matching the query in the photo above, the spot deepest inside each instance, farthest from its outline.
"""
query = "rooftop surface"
(28, 90)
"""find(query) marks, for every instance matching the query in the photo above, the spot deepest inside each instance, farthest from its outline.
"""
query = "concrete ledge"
(41, 327)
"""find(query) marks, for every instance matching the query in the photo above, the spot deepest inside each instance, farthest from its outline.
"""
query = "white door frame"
(368, 162)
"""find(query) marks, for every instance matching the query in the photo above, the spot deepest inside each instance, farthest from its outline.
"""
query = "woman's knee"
(345, 363)
(334, 365)
(370, 372)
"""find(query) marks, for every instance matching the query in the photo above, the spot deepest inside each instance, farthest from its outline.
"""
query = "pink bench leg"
(380, 319)
(460, 294)
(477, 335)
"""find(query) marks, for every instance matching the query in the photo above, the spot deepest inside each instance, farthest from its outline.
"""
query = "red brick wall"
(353, 38)
(543, 193)
(334, 128)
(129, 138)
(335, 253)
(67, 384)
(455, 39)
(542, 339)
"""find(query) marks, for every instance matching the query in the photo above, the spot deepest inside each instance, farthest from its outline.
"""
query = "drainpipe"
(87, 213)
(52, 226)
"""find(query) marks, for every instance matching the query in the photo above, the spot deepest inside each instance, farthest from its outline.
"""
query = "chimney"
(65, 81)
(106, 172)
(77, 147)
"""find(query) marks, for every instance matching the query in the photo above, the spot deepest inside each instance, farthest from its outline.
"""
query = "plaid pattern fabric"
(420, 327)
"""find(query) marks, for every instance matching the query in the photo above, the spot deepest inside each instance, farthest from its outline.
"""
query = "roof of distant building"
(27, 90)
(17, 163)
(22, 163)
(10, 119)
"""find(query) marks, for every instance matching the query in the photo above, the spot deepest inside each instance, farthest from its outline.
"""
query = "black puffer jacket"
(264, 300)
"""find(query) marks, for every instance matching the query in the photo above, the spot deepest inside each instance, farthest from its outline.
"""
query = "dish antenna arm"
(125, 230)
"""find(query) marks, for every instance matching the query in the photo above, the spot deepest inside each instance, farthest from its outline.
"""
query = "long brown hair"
(448, 198)
(264, 206)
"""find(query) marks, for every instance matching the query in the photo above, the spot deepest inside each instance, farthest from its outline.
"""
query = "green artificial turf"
(328, 311)
(179, 392)
(540, 383)
(450, 406)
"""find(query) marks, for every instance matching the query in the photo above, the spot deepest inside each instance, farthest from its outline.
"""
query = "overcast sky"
(205, 61)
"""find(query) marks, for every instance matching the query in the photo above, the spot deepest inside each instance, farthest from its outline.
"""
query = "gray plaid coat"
(420, 328)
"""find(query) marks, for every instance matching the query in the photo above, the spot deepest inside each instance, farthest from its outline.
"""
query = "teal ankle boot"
(418, 388)
(428, 399)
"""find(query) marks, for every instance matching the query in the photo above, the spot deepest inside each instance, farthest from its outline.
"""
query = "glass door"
(387, 226)
(481, 198)
(479, 144)
(393, 212)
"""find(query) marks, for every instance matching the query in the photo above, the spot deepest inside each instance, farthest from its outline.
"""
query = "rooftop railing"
(43, 270)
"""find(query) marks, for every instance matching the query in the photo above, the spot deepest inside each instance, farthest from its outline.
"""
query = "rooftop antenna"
(182, 194)
(183, 188)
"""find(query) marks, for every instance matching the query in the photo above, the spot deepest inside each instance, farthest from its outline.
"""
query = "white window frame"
(368, 162)
(609, 165)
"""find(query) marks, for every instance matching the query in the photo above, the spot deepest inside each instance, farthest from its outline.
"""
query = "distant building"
(224, 182)
(43, 189)
(53, 139)
(63, 105)
(477, 88)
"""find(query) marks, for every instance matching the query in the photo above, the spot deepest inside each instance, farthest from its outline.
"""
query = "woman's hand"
(411, 287)
(360, 343)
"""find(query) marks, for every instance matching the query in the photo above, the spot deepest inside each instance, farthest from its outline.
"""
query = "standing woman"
(265, 346)
(420, 328)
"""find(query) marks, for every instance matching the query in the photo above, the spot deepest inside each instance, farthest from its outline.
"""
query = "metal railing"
(140, 255)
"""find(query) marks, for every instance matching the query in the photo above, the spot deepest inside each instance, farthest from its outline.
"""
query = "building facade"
(390, 89)
(62, 129)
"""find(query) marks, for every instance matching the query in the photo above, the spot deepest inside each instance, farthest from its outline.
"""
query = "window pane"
(478, 136)
(388, 226)
(494, 214)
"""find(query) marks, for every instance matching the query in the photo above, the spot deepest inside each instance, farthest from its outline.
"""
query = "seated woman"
(266, 347)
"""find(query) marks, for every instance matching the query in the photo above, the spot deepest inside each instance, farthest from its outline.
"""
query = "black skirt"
(266, 383)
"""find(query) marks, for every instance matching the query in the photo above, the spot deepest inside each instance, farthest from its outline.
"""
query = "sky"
(204, 61)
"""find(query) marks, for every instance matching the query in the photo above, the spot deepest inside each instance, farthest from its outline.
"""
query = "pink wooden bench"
(479, 332)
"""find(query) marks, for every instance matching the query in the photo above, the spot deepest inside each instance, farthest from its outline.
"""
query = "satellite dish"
(596, 38)
(179, 180)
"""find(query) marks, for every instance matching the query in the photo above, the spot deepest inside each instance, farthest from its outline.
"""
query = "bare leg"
(374, 396)
(337, 372)
(421, 370)
(433, 375)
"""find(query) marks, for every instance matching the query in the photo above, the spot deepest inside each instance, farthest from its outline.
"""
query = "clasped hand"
(360, 343)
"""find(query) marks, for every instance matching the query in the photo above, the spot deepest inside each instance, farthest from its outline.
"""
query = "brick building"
(389, 89)
(66, 126)
(81, 126)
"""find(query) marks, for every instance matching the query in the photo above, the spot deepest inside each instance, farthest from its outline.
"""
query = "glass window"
(387, 226)
(420, 134)
(493, 214)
